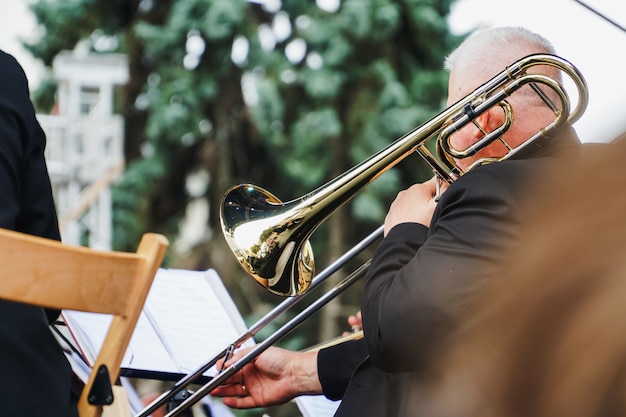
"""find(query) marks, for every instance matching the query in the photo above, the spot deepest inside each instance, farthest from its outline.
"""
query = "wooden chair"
(51, 274)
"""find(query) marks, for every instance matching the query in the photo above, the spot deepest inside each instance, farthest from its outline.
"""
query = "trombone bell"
(258, 227)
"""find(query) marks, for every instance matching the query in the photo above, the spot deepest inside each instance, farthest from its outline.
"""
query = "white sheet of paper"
(195, 316)
(316, 406)
(188, 318)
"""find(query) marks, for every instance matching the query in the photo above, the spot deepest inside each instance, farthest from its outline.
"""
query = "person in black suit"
(436, 256)
(35, 376)
(548, 340)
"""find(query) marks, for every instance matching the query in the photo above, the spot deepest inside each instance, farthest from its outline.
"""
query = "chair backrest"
(51, 274)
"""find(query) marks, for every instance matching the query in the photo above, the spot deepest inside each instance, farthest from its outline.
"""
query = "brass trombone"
(270, 238)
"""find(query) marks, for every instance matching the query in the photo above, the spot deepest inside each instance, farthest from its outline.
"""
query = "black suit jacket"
(422, 278)
(35, 377)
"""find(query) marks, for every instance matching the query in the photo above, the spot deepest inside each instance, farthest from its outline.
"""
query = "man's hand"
(355, 322)
(415, 204)
(274, 377)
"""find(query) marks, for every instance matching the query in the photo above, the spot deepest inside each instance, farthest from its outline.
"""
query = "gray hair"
(487, 52)
(495, 41)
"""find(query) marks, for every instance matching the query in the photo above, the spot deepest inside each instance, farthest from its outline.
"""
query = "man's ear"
(489, 121)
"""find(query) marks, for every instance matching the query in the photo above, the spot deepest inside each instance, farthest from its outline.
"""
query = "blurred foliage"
(286, 95)
(44, 96)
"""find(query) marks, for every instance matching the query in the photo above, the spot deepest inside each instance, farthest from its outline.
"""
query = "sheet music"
(187, 319)
(144, 350)
(197, 320)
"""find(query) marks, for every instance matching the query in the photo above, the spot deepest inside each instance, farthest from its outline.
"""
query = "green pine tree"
(286, 95)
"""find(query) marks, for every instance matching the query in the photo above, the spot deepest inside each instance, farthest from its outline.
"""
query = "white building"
(85, 151)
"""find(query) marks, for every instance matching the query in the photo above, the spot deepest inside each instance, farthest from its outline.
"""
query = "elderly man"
(437, 254)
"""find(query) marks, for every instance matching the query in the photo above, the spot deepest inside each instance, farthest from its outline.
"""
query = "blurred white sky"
(595, 46)
(17, 22)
